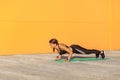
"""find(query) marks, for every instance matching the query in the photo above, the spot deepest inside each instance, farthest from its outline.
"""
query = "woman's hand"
(58, 57)
(66, 60)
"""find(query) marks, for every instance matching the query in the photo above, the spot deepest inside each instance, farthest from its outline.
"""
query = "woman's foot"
(102, 55)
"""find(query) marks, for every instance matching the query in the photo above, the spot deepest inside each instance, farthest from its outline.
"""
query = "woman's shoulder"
(62, 44)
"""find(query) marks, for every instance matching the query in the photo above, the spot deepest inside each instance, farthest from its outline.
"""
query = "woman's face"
(52, 45)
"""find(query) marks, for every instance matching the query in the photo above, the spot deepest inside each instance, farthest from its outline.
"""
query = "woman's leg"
(78, 49)
(97, 53)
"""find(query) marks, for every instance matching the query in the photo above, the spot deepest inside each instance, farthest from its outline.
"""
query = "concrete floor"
(39, 67)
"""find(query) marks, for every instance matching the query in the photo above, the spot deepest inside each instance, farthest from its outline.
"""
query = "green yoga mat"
(80, 59)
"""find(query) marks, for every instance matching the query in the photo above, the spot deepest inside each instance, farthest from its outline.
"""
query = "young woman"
(63, 49)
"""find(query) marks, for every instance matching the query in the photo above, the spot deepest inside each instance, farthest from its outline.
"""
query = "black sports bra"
(62, 51)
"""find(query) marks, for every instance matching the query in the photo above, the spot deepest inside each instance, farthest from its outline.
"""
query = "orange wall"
(27, 25)
(115, 24)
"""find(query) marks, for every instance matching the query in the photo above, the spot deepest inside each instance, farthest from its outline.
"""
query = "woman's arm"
(67, 50)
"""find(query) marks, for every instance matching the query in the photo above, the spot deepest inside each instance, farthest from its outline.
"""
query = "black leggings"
(78, 50)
